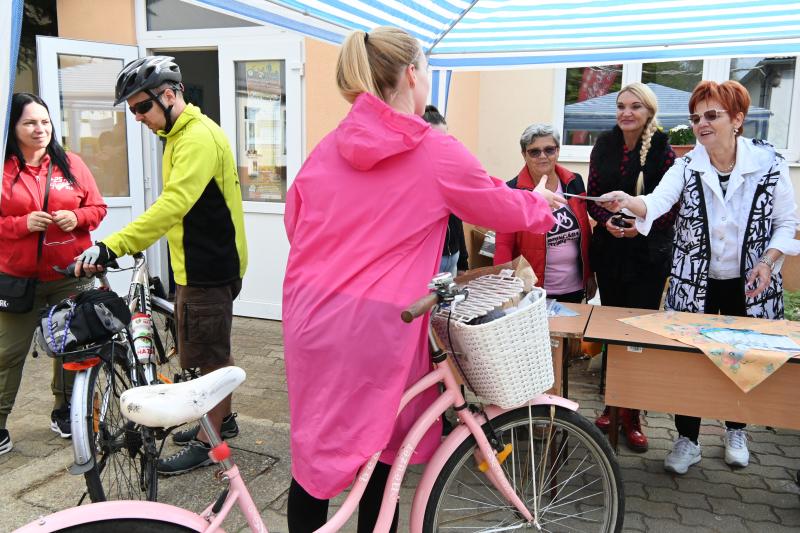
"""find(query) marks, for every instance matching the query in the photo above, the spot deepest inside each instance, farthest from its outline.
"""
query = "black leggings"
(306, 513)
(725, 297)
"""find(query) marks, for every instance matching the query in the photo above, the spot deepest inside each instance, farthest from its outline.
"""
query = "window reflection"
(90, 125)
(589, 108)
(261, 129)
(673, 83)
(770, 82)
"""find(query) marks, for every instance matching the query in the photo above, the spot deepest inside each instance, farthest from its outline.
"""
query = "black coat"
(630, 258)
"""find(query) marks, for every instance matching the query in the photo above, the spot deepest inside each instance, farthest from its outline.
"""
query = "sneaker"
(228, 431)
(736, 453)
(59, 422)
(5, 441)
(684, 454)
(193, 455)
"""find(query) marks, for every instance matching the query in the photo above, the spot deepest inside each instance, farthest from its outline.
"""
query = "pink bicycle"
(541, 466)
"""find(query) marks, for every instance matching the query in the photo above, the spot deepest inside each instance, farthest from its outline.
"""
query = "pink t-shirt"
(562, 274)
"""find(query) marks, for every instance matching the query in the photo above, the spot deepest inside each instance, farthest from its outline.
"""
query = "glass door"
(76, 80)
(260, 106)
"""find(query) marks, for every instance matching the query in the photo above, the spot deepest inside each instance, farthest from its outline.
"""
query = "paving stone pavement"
(711, 497)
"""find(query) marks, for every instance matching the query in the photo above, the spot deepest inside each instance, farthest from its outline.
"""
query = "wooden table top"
(571, 326)
(604, 327)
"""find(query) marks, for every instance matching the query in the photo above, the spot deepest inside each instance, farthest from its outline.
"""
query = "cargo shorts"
(203, 317)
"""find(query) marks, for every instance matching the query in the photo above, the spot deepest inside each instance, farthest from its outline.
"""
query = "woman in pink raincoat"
(366, 218)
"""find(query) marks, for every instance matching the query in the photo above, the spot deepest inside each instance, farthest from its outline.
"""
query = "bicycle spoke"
(560, 466)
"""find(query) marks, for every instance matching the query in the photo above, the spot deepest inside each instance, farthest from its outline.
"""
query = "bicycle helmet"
(144, 74)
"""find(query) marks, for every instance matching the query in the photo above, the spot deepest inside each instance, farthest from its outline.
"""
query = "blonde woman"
(631, 269)
(366, 218)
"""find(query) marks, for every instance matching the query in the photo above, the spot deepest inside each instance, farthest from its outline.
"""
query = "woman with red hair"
(736, 220)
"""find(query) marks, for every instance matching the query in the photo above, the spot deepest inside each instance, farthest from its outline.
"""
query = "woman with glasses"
(735, 223)
(560, 256)
(36, 237)
(631, 268)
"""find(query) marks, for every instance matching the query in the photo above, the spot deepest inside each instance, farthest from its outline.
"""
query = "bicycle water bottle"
(142, 335)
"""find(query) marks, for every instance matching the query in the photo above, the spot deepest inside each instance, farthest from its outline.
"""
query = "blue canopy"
(502, 33)
(10, 28)
(600, 113)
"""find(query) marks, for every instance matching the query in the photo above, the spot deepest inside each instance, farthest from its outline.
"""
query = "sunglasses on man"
(145, 105)
(710, 115)
(549, 151)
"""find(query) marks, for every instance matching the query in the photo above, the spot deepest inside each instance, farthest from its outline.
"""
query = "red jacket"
(533, 246)
(24, 194)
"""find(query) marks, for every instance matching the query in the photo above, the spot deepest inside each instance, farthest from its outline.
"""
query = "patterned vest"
(692, 252)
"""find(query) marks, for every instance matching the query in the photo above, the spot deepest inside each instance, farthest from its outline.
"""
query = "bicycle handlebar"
(69, 271)
(420, 307)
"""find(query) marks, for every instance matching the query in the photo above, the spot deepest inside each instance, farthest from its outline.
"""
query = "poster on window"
(261, 129)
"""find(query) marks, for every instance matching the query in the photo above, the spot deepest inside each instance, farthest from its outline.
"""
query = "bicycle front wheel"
(166, 342)
(124, 453)
(566, 474)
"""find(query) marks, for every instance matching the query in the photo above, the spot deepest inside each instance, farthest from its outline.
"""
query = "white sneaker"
(684, 454)
(736, 453)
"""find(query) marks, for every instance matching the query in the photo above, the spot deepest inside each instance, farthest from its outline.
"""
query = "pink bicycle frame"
(206, 521)
(471, 426)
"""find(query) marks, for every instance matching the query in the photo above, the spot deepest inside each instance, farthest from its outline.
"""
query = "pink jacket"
(24, 194)
(366, 219)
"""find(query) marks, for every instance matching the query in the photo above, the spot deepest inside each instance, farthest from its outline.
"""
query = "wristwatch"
(767, 261)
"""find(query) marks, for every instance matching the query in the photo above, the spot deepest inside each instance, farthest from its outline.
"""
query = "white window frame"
(717, 69)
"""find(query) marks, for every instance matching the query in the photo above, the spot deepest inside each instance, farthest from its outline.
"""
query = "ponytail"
(373, 62)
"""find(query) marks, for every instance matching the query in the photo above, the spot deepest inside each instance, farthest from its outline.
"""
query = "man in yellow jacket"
(200, 212)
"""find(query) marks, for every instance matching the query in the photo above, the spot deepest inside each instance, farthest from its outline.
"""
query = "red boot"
(603, 422)
(632, 429)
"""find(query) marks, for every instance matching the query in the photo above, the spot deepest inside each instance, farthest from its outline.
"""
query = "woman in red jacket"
(560, 257)
(74, 207)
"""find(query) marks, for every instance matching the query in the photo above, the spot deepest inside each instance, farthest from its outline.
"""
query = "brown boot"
(632, 429)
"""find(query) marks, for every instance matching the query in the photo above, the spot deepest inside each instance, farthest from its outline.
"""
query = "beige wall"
(462, 108)
(325, 107)
(509, 102)
(114, 22)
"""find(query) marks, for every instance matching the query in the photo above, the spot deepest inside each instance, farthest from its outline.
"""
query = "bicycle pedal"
(501, 457)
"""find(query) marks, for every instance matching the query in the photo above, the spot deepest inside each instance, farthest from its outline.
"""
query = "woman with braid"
(631, 268)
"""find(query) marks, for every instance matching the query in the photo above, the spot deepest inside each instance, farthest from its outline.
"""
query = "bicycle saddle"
(167, 405)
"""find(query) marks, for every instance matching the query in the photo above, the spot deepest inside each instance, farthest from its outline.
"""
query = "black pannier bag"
(88, 318)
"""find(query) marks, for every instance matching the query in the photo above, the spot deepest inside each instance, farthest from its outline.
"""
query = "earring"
(735, 131)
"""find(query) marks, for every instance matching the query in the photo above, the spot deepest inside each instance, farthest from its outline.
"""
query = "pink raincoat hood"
(373, 131)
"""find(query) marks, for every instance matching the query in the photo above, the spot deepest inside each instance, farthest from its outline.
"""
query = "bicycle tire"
(123, 469)
(128, 525)
(579, 463)
(169, 368)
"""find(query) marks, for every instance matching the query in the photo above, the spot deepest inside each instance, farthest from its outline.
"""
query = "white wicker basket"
(507, 361)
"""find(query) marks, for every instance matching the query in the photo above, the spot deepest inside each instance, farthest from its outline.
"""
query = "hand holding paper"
(552, 198)
(614, 201)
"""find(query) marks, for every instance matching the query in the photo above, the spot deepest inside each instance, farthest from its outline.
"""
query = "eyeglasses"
(709, 114)
(145, 105)
(549, 151)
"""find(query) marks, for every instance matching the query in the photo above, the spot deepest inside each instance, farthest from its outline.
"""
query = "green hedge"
(792, 302)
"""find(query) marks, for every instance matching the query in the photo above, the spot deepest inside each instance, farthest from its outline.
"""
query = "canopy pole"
(451, 26)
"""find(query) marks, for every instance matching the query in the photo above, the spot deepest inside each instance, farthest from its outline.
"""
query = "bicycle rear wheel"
(124, 453)
(567, 470)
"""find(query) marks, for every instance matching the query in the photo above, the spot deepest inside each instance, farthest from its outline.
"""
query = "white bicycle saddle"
(167, 405)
